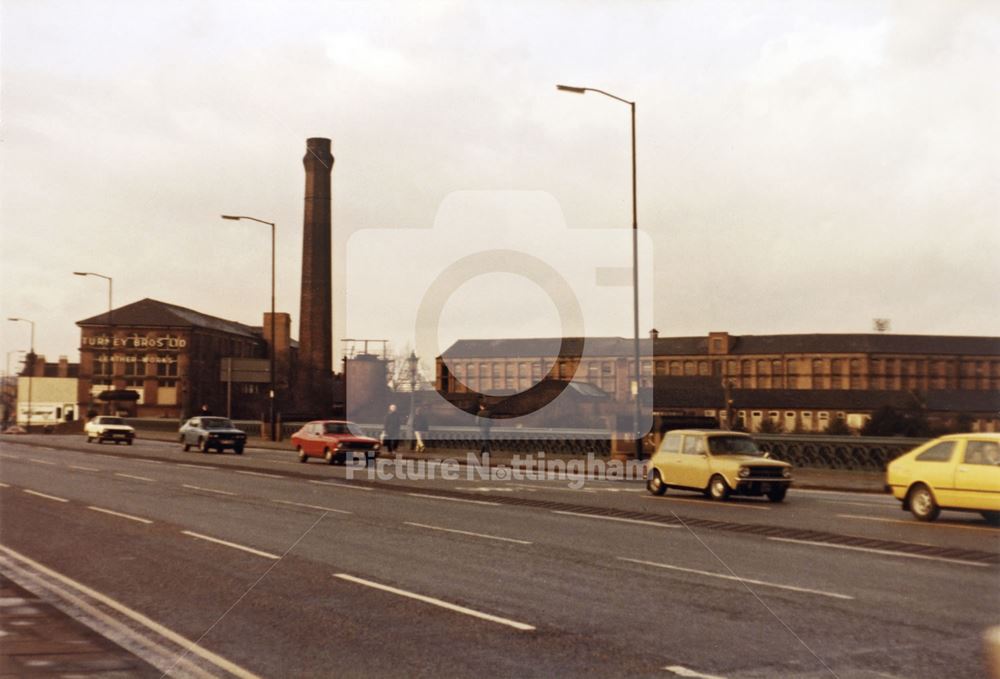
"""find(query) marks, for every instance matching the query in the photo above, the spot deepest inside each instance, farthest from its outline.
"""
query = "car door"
(311, 442)
(190, 436)
(936, 468)
(977, 476)
(695, 467)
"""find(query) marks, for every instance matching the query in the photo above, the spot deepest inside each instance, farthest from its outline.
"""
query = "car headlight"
(376, 446)
(786, 472)
(744, 472)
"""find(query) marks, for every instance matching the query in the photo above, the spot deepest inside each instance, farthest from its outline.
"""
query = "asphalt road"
(258, 565)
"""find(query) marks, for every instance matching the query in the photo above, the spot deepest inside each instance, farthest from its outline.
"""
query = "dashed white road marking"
(35, 459)
(723, 576)
(919, 525)
(4, 485)
(272, 476)
(465, 532)
(453, 499)
(134, 476)
(338, 485)
(301, 504)
(208, 490)
(226, 543)
(45, 495)
(885, 552)
(80, 467)
(437, 602)
(641, 522)
(120, 514)
(195, 466)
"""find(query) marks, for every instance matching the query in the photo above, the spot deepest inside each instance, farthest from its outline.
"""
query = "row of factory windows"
(837, 373)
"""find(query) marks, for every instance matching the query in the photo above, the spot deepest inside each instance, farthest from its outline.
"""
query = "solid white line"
(82, 468)
(617, 518)
(32, 459)
(465, 532)
(195, 466)
(133, 476)
(454, 499)
(50, 497)
(216, 660)
(231, 544)
(685, 672)
(723, 576)
(325, 509)
(208, 490)
(124, 516)
(272, 476)
(338, 485)
(919, 525)
(436, 602)
(884, 552)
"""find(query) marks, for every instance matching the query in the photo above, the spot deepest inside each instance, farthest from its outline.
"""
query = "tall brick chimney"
(315, 364)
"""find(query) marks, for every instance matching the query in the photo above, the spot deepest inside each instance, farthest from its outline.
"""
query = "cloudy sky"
(803, 166)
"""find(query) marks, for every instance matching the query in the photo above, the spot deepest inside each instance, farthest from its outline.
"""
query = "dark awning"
(118, 395)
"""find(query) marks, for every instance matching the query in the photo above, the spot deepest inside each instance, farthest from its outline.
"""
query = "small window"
(937, 453)
(671, 444)
(982, 452)
(694, 445)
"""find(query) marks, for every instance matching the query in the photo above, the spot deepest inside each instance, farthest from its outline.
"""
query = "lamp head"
(235, 218)
(569, 88)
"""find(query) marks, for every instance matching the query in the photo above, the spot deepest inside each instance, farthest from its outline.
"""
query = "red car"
(333, 440)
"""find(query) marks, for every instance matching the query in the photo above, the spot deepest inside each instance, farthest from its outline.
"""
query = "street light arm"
(584, 90)
(252, 219)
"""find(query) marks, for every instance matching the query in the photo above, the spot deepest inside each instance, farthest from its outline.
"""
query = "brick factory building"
(792, 383)
(174, 360)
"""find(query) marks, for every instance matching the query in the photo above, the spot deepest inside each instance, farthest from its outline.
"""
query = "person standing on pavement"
(391, 428)
(484, 423)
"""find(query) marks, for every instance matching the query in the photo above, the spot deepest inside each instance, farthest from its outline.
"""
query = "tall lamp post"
(412, 361)
(635, 270)
(271, 393)
(31, 368)
(111, 330)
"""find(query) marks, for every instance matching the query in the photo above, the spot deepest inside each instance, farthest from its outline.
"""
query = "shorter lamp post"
(271, 393)
(412, 361)
(31, 369)
(6, 388)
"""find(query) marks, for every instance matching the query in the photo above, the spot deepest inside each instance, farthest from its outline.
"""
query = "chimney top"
(654, 333)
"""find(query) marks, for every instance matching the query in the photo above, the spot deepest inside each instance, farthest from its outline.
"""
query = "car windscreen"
(112, 420)
(216, 423)
(336, 428)
(733, 445)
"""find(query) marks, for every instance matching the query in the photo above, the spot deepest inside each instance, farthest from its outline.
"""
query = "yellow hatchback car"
(960, 471)
(717, 463)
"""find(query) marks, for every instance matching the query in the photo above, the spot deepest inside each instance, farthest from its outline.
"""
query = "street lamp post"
(111, 331)
(271, 394)
(31, 369)
(635, 270)
(412, 361)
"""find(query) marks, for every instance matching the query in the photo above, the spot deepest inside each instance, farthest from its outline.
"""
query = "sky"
(803, 166)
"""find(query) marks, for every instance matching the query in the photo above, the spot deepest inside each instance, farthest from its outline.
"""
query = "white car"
(107, 428)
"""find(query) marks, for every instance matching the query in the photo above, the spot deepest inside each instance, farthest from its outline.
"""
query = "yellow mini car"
(961, 472)
(717, 463)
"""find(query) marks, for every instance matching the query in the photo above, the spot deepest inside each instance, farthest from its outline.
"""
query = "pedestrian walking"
(484, 422)
(390, 428)
(419, 428)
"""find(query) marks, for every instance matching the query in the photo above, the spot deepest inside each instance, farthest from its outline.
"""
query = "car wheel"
(655, 484)
(129, 442)
(90, 439)
(238, 450)
(302, 455)
(187, 446)
(777, 494)
(922, 503)
(203, 445)
(328, 455)
(718, 489)
(992, 518)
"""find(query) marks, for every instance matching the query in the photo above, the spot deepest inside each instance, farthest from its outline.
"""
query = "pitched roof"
(873, 343)
(153, 313)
